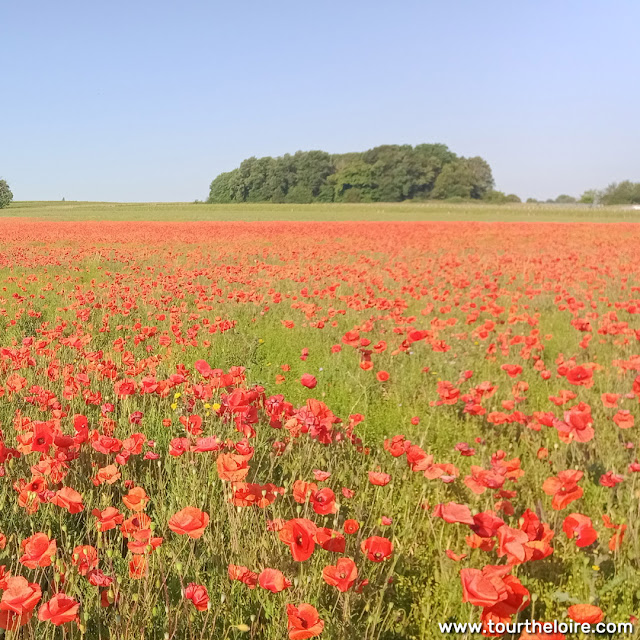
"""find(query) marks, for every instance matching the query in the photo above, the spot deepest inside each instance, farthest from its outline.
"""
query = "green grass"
(409, 211)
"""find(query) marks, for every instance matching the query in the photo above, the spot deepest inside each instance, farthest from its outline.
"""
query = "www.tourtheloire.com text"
(535, 626)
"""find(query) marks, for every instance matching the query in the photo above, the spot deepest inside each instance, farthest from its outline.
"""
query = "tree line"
(388, 173)
(625, 192)
(617, 193)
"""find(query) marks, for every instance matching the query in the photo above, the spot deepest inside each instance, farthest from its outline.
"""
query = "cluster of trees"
(625, 192)
(617, 193)
(5, 194)
(388, 173)
(561, 199)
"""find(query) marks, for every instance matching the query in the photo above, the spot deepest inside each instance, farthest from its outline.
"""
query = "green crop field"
(409, 211)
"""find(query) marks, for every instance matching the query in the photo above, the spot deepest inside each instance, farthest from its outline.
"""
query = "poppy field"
(299, 429)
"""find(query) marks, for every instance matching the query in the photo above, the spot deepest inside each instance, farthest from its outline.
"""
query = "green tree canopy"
(625, 192)
(387, 173)
(591, 196)
(464, 178)
(499, 197)
(617, 193)
(481, 176)
(5, 194)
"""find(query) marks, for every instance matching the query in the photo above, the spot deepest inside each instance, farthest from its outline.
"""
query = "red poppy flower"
(20, 596)
(136, 500)
(512, 543)
(610, 400)
(302, 490)
(539, 534)
(577, 425)
(204, 445)
(68, 499)
(342, 575)
(85, 558)
(378, 478)
(482, 479)
(351, 526)
(453, 512)
(198, 594)
(60, 609)
(107, 475)
(455, 556)
(580, 376)
(189, 521)
(624, 419)
(512, 370)
(324, 501)
(309, 381)
(377, 548)
(273, 580)
(517, 598)
(330, 540)
(98, 579)
(579, 526)
(564, 488)
(486, 587)
(246, 494)
(232, 467)
(179, 446)
(303, 622)
(585, 613)
(242, 574)
(611, 479)
(42, 437)
(107, 519)
(38, 551)
(192, 424)
(299, 535)
(137, 522)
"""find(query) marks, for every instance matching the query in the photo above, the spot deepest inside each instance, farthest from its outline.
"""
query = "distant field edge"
(409, 211)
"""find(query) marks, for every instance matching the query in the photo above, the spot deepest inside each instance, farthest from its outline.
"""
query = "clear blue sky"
(142, 100)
